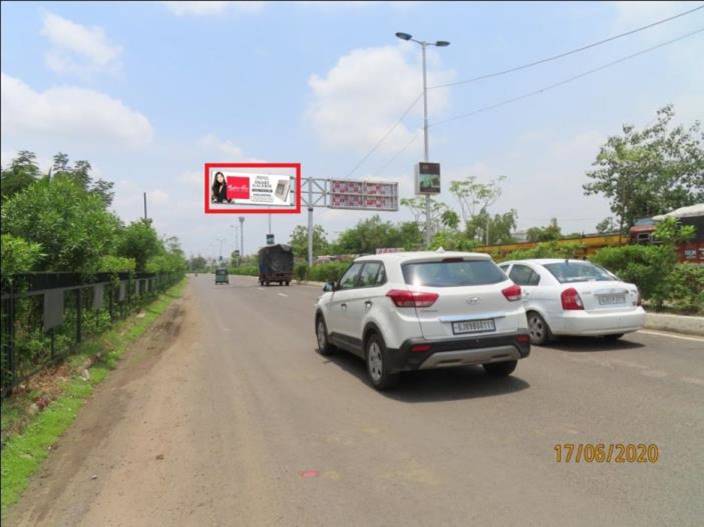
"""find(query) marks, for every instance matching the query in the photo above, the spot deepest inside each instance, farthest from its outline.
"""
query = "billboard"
(428, 178)
(363, 195)
(237, 188)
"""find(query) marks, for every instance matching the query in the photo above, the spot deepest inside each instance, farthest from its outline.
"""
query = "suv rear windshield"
(578, 271)
(453, 273)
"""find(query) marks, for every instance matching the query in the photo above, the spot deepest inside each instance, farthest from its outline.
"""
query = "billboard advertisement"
(363, 195)
(428, 178)
(238, 188)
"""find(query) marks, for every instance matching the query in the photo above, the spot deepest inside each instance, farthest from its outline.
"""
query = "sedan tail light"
(512, 293)
(571, 299)
(405, 298)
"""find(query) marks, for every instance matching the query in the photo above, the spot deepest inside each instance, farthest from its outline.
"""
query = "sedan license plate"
(473, 326)
(608, 300)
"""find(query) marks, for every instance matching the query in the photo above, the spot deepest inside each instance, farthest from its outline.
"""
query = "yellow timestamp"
(606, 453)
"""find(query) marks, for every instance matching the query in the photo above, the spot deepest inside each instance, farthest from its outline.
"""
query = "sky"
(149, 92)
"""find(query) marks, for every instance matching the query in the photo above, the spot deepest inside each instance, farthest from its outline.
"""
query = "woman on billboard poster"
(219, 189)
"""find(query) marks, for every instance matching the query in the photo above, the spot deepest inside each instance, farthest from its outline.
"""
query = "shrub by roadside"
(686, 284)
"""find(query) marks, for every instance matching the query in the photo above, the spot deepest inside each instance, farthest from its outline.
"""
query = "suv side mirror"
(329, 286)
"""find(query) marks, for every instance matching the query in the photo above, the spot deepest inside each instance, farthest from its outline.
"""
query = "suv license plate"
(607, 300)
(473, 326)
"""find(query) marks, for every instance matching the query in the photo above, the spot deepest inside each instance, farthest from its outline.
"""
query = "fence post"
(79, 315)
(110, 310)
(11, 379)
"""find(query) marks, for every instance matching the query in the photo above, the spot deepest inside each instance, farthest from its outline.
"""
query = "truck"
(275, 264)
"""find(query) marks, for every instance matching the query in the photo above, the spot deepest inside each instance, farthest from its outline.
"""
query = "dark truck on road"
(275, 264)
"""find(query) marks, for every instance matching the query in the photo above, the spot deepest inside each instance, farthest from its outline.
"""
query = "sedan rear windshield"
(577, 271)
(455, 273)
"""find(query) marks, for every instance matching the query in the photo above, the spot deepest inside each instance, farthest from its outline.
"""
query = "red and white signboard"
(241, 188)
(363, 195)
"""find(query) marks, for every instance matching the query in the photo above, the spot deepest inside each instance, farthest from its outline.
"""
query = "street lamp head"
(404, 36)
(442, 43)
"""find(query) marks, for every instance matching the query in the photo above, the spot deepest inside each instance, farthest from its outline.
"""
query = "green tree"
(197, 264)
(545, 234)
(21, 173)
(299, 241)
(486, 229)
(605, 226)
(474, 196)
(80, 173)
(650, 171)
(417, 208)
(670, 231)
(139, 241)
(450, 219)
(72, 226)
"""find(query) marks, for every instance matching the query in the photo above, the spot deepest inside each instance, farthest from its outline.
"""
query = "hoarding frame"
(247, 210)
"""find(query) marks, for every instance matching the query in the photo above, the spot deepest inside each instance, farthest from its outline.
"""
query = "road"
(225, 415)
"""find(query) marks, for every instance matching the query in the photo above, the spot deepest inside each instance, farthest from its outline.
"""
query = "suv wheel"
(377, 364)
(321, 333)
(500, 369)
(539, 329)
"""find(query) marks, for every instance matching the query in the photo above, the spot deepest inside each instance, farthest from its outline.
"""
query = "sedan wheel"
(539, 330)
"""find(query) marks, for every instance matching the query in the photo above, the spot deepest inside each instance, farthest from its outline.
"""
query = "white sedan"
(575, 297)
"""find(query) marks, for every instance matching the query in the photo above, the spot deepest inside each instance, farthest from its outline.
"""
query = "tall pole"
(145, 205)
(241, 236)
(310, 223)
(425, 144)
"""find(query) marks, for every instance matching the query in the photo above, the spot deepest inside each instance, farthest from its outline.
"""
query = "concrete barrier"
(677, 323)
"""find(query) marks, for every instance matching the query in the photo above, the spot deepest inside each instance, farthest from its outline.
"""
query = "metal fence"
(45, 316)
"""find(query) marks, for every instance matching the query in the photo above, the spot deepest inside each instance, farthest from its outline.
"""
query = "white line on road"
(282, 294)
(671, 335)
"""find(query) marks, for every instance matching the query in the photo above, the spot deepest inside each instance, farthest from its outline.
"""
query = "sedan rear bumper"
(586, 324)
(422, 354)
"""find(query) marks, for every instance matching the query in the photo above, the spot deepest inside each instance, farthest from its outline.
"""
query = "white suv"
(421, 310)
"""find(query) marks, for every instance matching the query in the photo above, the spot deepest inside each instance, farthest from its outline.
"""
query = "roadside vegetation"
(45, 406)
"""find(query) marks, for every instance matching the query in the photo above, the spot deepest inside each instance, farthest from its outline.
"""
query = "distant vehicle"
(222, 276)
(275, 264)
(422, 310)
(574, 297)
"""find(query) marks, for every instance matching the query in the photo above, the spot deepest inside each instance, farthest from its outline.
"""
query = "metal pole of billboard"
(241, 236)
(423, 45)
(145, 205)
(310, 224)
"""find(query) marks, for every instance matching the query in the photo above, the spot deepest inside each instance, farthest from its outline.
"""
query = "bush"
(18, 255)
(115, 264)
(327, 272)
(246, 270)
(552, 249)
(686, 283)
(647, 266)
(300, 271)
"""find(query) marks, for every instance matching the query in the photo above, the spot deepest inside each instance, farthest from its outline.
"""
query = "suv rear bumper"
(459, 352)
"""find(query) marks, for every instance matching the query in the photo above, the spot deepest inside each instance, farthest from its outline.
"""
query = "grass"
(24, 452)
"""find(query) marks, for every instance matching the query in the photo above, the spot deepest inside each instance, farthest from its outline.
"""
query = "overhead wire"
(379, 142)
(567, 53)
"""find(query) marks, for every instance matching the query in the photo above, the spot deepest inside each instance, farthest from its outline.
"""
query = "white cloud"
(77, 48)
(67, 111)
(362, 96)
(211, 7)
(218, 146)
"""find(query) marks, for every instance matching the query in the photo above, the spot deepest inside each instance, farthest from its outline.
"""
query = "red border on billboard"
(295, 210)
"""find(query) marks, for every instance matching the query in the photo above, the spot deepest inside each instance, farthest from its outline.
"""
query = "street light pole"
(241, 218)
(423, 44)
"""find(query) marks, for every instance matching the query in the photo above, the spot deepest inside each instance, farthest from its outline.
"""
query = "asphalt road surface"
(225, 415)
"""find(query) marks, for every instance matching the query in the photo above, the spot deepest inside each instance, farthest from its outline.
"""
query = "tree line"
(60, 221)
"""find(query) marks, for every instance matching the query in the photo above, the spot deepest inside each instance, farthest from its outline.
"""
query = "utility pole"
(310, 226)
(145, 206)
(241, 218)
(423, 44)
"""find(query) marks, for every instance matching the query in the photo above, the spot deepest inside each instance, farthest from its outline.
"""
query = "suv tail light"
(405, 298)
(512, 293)
(571, 299)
